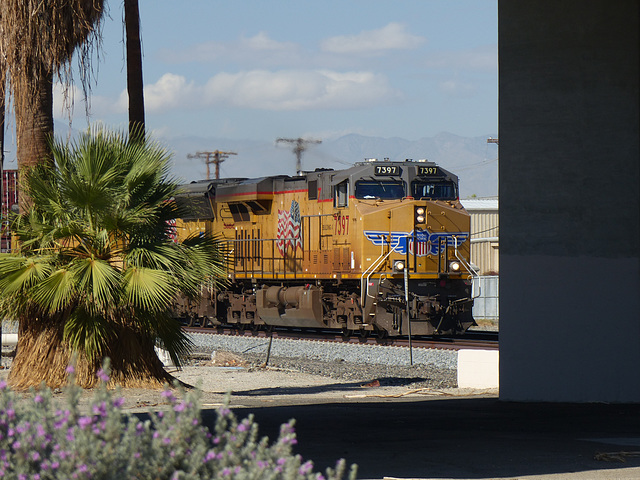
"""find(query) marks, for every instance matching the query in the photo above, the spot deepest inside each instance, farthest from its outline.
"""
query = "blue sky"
(259, 70)
(266, 69)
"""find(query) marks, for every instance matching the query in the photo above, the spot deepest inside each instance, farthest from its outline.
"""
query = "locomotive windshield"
(434, 190)
(382, 189)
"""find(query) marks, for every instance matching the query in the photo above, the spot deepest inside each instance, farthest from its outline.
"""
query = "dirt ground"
(261, 387)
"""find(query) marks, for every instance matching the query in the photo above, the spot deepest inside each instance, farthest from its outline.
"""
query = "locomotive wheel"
(381, 334)
(346, 334)
(363, 335)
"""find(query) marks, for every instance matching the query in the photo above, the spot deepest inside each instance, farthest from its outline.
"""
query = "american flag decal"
(289, 229)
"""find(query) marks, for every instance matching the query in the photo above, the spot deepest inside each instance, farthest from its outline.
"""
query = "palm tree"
(37, 42)
(135, 85)
(97, 270)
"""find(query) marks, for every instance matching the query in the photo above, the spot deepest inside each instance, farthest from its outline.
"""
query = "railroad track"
(479, 340)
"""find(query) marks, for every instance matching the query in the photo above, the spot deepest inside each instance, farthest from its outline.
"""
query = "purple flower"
(306, 468)
(70, 369)
(38, 398)
(3, 385)
(84, 422)
(168, 394)
(100, 409)
(211, 455)
(102, 375)
(118, 402)
(242, 427)
(179, 407)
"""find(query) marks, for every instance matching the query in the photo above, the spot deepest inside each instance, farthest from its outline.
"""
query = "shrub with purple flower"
(40, 441)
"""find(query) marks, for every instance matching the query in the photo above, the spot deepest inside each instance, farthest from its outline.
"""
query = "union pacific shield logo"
(423, 243)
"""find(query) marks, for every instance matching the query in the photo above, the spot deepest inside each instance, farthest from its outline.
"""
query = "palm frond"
(56, 292)
(148, 288)
(87, 333)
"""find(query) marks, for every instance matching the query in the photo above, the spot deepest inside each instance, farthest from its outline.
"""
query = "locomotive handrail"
(365, 291)
(247, 265)
(466, 264)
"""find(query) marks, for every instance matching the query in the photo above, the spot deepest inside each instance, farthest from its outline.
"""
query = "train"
(380, 248)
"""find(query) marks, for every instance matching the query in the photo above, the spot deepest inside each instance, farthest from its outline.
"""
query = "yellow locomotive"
(381, 247)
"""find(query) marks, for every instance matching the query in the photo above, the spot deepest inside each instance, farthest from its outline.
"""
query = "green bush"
(40, 441)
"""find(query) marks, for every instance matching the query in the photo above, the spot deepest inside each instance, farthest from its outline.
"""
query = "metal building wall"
(485, 245)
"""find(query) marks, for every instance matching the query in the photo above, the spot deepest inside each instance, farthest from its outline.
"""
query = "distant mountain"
(472, 159)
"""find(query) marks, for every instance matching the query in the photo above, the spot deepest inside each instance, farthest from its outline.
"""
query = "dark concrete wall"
(569, 200)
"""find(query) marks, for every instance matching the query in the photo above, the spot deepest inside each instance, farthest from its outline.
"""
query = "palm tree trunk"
(43, 357)
(34, 128)
(135, 85)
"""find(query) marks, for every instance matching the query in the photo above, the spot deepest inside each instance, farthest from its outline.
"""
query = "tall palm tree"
(135, 84)
(97, 269)
(37, 42)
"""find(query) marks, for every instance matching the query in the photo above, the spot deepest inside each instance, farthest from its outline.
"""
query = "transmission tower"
(299, 146)
(216, 157)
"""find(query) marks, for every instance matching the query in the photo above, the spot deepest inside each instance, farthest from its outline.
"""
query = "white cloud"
(483, 58)
(457, 88)
(262, 42)
(171, 91)
(374, 42)
(260, 46)
(266, 90)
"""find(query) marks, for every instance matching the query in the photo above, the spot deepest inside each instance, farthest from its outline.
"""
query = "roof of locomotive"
(226, 189)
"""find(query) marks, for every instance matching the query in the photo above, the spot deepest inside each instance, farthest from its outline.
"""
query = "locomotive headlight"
(398, 266)
(454, 266)
(420, 217)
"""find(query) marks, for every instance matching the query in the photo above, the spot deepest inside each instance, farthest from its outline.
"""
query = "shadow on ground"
(332, 387)
(469, 438)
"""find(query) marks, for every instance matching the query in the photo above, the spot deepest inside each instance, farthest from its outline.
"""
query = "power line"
(299, 146)
(218, 158)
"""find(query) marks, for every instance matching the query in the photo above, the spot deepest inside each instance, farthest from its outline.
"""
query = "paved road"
(462, 438)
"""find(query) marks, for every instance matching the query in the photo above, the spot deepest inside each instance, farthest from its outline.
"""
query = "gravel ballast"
(346, 362)
(390, 366)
